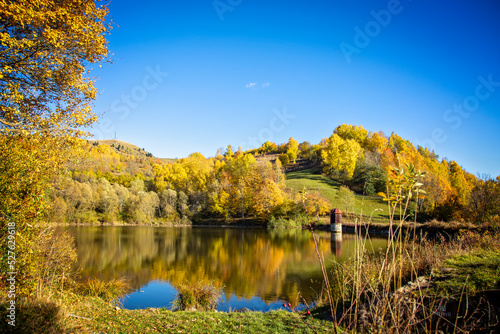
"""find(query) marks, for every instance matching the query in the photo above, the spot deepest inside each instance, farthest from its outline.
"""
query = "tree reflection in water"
(250, 263)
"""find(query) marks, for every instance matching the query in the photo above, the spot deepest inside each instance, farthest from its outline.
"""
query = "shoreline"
(429, 229)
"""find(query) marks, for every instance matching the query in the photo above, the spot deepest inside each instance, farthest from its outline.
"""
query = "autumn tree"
(340, 156)
(306, 150)
(484, 200)
(315, 205)
(354, 132)
(376, 141)
(168, 204)
(229, 153)
(292, 149)
(284, 159)
(267, 147)
(46, 47)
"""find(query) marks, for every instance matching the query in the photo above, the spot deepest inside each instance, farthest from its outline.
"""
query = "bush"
(280, 222)
(284, 158)
(197, 297)
(107, 291)
(56, 257)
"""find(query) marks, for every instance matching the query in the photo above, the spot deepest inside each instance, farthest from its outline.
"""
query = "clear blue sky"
(192, 76)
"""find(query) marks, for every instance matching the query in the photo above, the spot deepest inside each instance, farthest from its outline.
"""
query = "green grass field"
(312, 180)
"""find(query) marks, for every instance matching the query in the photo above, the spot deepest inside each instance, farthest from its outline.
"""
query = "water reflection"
(270, 266)
(336, 243)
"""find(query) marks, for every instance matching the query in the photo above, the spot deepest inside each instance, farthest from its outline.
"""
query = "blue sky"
(193, 76)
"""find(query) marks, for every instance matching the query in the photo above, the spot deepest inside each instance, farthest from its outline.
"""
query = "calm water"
(258, 269)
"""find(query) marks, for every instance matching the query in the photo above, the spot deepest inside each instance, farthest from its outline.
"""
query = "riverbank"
(431, 229)
(73, 313)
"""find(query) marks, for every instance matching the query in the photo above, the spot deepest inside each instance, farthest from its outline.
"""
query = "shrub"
(56, 255)
(197, 296)
(280, 222)
(284, 158)
(107, 291)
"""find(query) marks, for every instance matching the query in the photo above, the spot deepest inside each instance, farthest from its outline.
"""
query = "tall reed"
(368, 293)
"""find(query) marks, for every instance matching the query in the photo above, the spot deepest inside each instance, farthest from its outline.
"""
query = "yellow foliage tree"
(45, 96)
(315, 205)
(339, 155)
(376, 141)
(292, 149)
(354, 132)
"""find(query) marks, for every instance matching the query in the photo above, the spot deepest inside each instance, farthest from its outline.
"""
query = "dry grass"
(55, 265)
(393, 292)
(109, 291)
(197, 297)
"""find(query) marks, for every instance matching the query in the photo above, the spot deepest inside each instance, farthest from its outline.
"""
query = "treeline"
(366, 162)
(112, 184)
(230, 185)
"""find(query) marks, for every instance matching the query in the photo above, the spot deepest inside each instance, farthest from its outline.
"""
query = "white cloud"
(265, 85)
(250, 85)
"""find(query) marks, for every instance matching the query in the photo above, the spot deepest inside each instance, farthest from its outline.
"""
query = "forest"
(113, 181)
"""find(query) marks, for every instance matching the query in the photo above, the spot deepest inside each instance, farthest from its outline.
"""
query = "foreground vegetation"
(366, 295)
(48, 172)
(77, 314)
(420, 286)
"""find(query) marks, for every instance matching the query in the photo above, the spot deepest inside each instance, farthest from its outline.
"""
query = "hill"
(299, 165)
(313, 181)
(346, 170)
(124, 148)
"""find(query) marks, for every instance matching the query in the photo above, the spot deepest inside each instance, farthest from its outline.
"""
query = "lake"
(258, 269)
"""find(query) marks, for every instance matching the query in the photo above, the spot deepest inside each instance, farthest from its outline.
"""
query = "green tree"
(346, 197)
(369, 179)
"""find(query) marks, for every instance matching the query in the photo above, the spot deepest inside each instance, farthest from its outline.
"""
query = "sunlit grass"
(106, 290)
(476, 271)
(313, 181)
(96, 316)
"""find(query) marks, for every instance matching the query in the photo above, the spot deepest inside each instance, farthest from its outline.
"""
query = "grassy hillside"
(313, 181)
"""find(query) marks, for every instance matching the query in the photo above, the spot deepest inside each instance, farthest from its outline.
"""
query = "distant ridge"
(116, 142)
